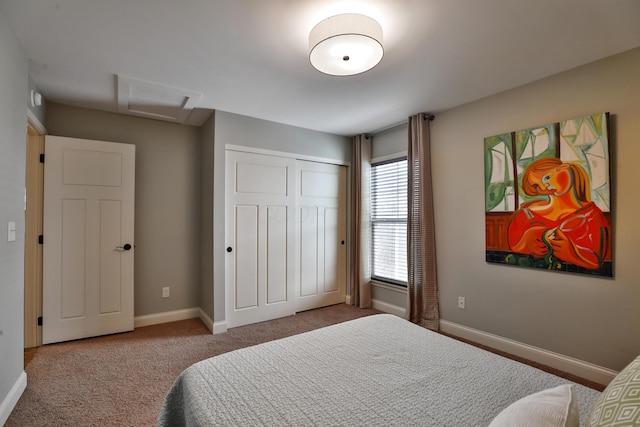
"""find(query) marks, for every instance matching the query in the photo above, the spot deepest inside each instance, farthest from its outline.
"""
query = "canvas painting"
(548, 197)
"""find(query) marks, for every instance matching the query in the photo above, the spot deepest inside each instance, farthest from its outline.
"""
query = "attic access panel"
(153, 100)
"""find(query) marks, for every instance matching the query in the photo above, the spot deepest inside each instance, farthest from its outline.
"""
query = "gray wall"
(390, 141)
(180, 173)
(207, 132)
(13, 122)
(592, 319)
(247, 131)
(167, 209)
(251, 132)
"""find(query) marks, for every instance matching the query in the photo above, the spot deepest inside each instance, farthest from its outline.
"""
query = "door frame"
(34, 194)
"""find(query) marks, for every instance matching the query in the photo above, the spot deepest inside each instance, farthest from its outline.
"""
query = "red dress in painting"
(578, 238)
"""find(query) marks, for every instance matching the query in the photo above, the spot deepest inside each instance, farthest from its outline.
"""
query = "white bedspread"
(374, 371)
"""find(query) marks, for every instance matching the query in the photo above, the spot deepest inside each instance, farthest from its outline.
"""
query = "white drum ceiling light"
(344, 45)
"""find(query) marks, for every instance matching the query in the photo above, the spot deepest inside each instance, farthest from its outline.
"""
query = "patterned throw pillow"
(619, 403)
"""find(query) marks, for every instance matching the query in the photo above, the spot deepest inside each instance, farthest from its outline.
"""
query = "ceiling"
(250, 57)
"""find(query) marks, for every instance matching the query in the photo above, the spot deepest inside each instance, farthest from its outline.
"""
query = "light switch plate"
(11, 231)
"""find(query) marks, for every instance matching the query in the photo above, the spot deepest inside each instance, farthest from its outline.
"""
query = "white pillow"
(555, 407)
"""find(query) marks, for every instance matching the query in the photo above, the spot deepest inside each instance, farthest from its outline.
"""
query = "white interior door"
(321, 220)
(260, 236)
(88, 238)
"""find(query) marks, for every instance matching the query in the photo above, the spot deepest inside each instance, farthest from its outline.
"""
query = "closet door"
(321, 236)
(260, 236)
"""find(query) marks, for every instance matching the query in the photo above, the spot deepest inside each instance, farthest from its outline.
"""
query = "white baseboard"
(166, 317)
(382, 306)
(206, 320)
(219, 327)
(12, 398)
(567, 364)
(174, 316)
(388, 308)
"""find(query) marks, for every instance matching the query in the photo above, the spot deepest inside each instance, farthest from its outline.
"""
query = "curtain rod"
(427, 116)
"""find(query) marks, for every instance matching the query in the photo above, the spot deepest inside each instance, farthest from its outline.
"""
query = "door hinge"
(39, 320)
(42, 158)
(41, 239)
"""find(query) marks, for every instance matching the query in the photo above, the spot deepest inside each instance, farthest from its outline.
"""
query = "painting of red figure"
(547, 197)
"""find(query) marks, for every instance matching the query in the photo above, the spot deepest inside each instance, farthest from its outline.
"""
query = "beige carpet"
(121, 380)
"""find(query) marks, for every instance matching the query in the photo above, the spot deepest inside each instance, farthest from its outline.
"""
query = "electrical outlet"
(165, 292)
(461, 302)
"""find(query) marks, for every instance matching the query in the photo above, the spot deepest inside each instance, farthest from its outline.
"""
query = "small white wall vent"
(153, 100)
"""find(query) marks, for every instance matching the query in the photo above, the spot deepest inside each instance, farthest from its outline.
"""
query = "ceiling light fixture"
(347, 44)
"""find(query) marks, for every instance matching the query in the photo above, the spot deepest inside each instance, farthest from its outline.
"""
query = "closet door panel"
(246, 259)
(322, 250)
(277, 219)
(260, 233)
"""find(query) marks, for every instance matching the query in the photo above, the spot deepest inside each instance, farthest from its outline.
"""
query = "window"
(389, 221)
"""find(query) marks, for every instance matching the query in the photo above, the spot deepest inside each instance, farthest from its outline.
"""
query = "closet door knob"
(229, 249)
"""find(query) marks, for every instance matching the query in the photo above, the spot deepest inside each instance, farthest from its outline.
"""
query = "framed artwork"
(548, 197)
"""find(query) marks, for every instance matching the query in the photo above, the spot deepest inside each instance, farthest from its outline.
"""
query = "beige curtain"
(361, 222)
(422, 288)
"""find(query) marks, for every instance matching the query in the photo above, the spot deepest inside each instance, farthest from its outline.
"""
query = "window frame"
(394, 158)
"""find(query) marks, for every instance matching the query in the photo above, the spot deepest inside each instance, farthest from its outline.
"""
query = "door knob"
(229, 249)
(126, 247)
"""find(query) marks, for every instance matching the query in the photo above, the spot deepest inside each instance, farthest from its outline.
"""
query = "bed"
(378, 370)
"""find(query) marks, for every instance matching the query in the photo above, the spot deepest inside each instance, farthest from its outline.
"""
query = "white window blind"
(389, 221)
